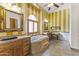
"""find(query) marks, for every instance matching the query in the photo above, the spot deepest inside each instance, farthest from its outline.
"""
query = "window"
(32, 24)
(32, 17)
(35, 27)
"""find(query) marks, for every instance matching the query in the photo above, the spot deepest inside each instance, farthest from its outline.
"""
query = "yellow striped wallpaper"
(31, 9)
(64, 20)
(61, 18)
(46, 16)
(68, 20)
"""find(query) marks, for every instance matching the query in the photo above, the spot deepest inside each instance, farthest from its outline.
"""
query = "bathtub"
(64, 36)
(39, 43)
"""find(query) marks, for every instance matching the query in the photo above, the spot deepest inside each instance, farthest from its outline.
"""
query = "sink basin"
(8, 38)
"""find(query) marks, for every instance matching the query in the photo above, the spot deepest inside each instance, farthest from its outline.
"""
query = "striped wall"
(61, 18)
(46, 16)
(32, 10)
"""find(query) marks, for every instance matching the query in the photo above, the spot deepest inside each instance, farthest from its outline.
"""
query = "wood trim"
(14, 12)
(33, 32)
(32, 20)
(4, 24)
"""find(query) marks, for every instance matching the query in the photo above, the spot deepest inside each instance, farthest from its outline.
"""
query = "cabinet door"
(18, 51)
(11, 51)
(18, 48)
(6, 52)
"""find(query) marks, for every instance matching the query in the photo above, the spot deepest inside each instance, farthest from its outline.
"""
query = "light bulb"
(15, 8)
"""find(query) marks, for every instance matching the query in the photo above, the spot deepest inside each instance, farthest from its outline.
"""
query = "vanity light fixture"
(12, 7)
(6, 5)
(50, 5)
(16, 8)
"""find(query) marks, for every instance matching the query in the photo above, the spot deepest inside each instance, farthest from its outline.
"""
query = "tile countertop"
(18, 37)
(23, 36)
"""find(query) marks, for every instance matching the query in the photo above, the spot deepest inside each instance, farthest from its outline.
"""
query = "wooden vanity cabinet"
(16, 48)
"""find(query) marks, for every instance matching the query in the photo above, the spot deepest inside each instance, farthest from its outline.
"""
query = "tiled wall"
(61, 18)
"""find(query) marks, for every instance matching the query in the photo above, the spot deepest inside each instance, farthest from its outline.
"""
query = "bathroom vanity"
(11, 21)
(20, 46)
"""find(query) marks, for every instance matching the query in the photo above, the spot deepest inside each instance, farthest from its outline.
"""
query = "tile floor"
(59, 48)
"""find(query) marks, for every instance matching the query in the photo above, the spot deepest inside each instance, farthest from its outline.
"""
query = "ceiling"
(45, 6)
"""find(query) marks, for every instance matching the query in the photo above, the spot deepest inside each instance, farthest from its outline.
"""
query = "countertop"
(18, 38)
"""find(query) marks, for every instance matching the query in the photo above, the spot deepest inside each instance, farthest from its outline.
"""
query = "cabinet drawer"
(4, 53)
(26, 44)
(25, 53)
(26, 39)
(26, 47)
(6, 45)
(16, 43)
(19, 42)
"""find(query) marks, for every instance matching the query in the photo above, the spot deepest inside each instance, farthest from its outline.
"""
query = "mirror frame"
(4, 21)
(45, 29)
(21, 23)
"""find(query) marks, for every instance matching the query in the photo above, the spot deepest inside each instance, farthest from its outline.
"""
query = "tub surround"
(38, 38)
(39, 43)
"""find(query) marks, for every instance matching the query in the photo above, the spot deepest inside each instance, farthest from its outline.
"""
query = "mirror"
(14, 21)
(10, 20)
(45, 25)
